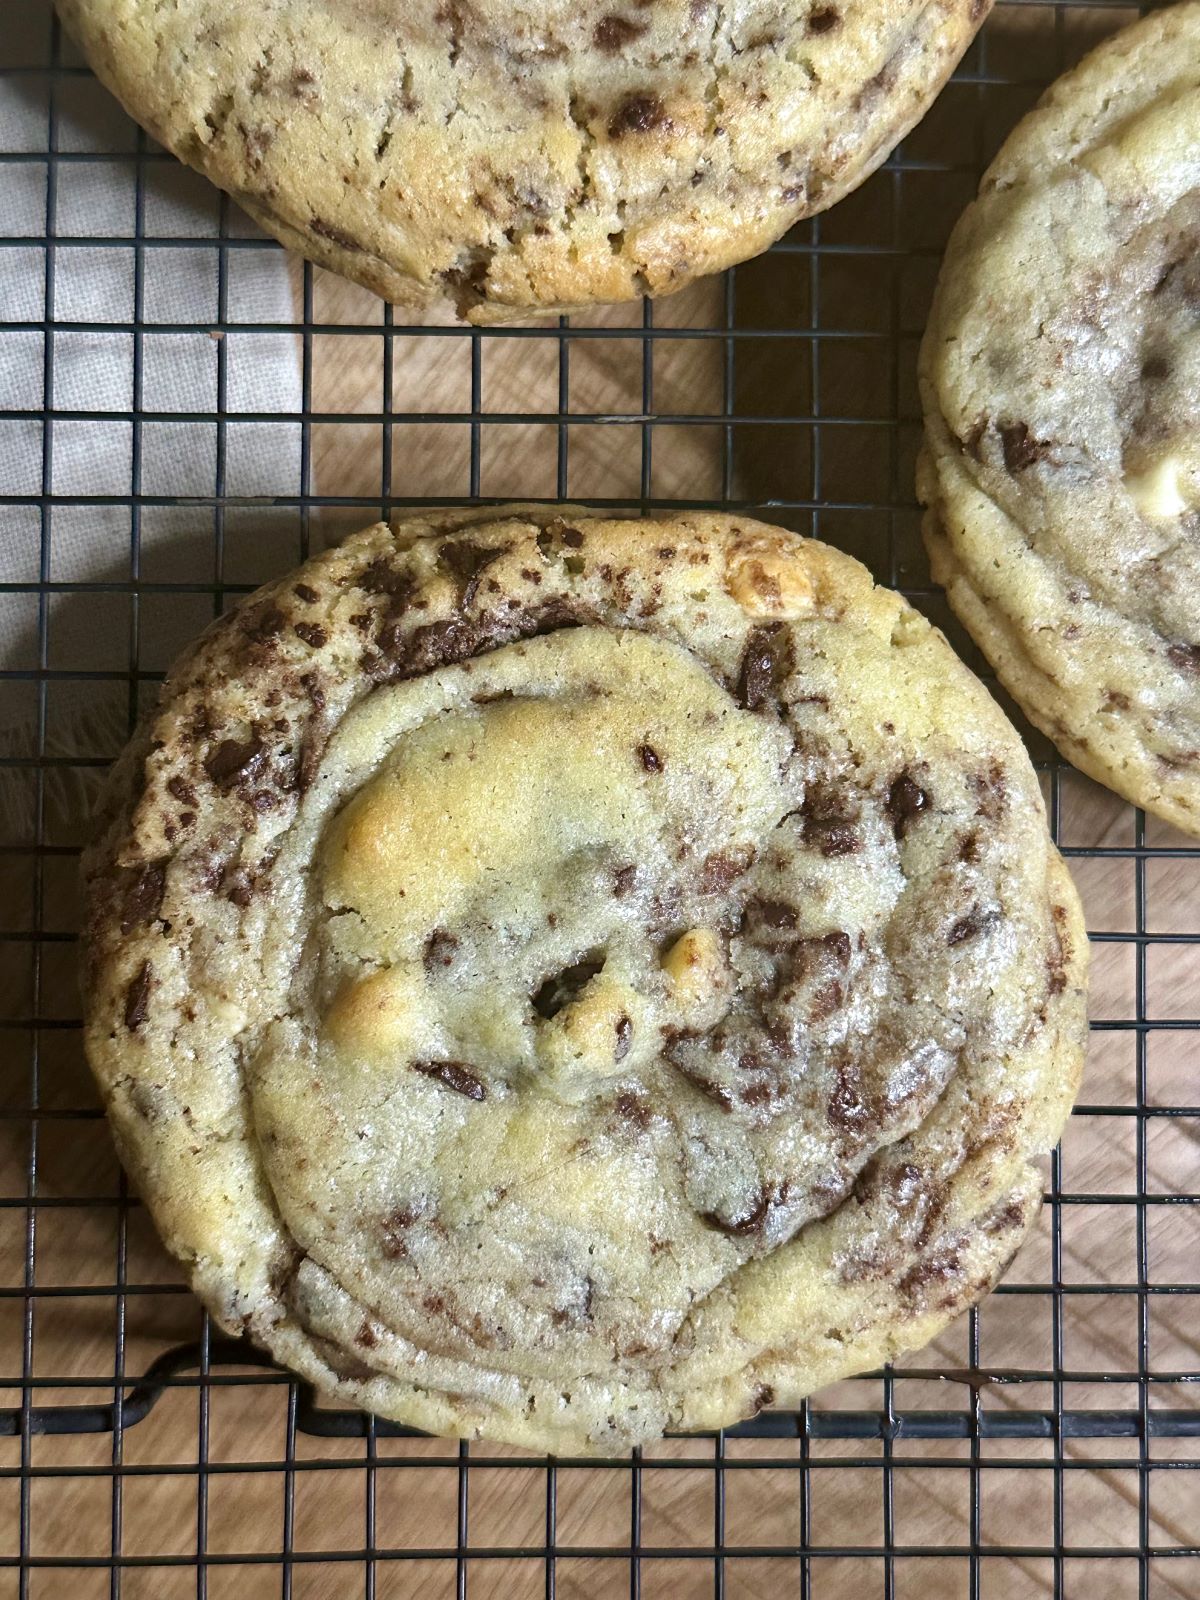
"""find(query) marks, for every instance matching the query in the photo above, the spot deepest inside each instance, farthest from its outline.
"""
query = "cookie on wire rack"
(560, 979)
(534, 159)
(1060, 377)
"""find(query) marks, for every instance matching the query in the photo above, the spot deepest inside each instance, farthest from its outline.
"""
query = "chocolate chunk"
(640, 112)
(724, 867)
(565, 986)
(144, 897)
(991, 792)
(240, 889)
(650, 758)
(257, 141)
(182, 790)
(455, 1075)
(633, 1108)
(1021, 449)
(312, 633)
(393, 1228)
(848, 1109)
(613, 33)
(906, 800)
(1185, 656)
(234, 759)
(828, 825)
(935, 1268)
(303, 592)
(771, 913)
(335, 235)
(466, 564)
(974, 923)
(766, 661)
(439, 950)
(624, 1038)
(260, 622)
(381, 577)
(137, 998)
(738, 1227)
(711, 1090)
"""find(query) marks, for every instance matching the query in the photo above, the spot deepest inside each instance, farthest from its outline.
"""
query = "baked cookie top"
(561, 979)
(1060, 377)
(529, 158)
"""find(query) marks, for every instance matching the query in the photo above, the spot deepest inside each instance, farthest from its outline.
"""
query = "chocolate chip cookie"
(560, 979)
(1060, 376)
(533, 159)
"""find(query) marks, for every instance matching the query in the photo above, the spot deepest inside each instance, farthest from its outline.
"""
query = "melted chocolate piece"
(234, 759)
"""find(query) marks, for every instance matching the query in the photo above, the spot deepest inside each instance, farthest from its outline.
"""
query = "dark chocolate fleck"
(455, 1075)
(613, 33)
(650, 758)
(724, 867)
(633, 1108)
(906, 800)
(1021, 449)
(312, 633)
(466, 564)
(623, 880)
(1185, 656)
(624, 1038)
(740, 1226)
(565, 986)
(765, 661)
(640, 112)
(439, 949)
(137, 998)
(772, 913)
(974, 923)
(303, 592)
(143, 898)
(335, 235)
(182, 790)
(233, 759)
(380, 577)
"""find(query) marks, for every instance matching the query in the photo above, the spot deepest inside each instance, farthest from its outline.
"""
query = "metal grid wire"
(1045, 1444)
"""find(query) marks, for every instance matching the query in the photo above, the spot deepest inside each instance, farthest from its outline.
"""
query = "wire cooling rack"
(1047, 1443)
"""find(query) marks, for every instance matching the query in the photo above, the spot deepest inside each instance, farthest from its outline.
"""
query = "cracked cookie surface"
(1060, 378)
(533, 158)
(560, 979)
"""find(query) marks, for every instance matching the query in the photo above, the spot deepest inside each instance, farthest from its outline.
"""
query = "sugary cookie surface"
(562, 979)
(524, 158)
(1061, 384)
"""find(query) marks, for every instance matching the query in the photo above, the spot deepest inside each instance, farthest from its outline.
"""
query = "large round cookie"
(534, 158)
(561, 979)
(1060, 377)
